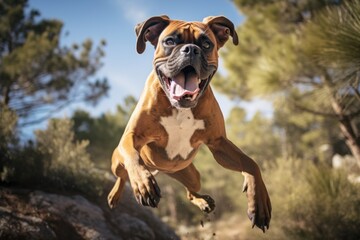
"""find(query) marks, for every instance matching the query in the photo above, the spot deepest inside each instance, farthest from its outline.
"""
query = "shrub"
(310, 202)
(66, 162)
(20, 164)
(55, 161)
(8, 140)
(330, 208)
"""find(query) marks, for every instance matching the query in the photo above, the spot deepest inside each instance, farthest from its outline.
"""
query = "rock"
(15, 225)
(346, 161)
(87, 218)
(27, 214)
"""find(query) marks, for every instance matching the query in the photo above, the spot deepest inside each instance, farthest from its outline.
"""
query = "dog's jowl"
(177, 113)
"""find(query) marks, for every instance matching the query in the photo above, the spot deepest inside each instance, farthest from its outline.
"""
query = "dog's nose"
(190, 50)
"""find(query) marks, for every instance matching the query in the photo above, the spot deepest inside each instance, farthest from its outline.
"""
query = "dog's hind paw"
(112, 200)
(115, 194)
(259, 205)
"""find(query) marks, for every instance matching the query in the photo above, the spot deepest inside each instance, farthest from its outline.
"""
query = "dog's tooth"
(194, 97)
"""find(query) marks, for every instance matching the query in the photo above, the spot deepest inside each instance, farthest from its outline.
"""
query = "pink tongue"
(183, 84)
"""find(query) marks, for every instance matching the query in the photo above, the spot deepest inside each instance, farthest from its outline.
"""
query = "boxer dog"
(177, 112)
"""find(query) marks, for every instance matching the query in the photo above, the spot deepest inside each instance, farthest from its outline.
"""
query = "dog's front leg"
(143, 183)
(231, 157)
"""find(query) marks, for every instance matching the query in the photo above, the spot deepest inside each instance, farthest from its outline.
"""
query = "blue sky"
(114, 21)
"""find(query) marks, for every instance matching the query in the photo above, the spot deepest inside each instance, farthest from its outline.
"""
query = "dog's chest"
(180, 127)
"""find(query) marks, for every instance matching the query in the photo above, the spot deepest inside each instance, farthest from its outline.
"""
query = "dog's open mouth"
(186, 85)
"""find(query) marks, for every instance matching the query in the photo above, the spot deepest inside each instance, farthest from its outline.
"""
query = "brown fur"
(142, 146)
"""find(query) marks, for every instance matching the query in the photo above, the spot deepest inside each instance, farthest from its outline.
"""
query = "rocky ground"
(33, 214)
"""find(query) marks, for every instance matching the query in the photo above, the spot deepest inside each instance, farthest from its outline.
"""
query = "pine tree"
(287, 51)
(38, 75)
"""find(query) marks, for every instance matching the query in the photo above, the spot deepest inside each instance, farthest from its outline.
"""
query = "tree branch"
(357, 93)
(303, 108)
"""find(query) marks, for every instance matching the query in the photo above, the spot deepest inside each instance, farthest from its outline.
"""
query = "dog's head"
(186, 54)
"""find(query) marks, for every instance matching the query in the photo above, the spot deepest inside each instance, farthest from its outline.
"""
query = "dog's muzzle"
(185, 75)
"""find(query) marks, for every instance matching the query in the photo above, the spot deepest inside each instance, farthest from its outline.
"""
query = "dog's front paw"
(145, 187)
(204, 202)
(259, 205)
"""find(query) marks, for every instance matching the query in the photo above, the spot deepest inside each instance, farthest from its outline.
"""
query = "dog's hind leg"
(122, 176)
(190, 178)
(117, 190)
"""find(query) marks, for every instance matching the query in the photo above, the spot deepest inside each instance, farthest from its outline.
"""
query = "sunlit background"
(290, 93)
(114, 22)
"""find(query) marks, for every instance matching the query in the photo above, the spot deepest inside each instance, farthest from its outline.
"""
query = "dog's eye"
(206, 44)
(169, 42)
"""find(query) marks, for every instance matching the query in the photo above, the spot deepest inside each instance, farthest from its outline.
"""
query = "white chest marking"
(180, 127)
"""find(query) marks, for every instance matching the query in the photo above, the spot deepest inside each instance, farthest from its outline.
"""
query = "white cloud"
(134, 12)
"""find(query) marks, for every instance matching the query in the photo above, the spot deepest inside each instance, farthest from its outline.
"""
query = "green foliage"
(270, 58)
(267, 57)
(66, 162)
(8, 132)
(25, 166)
(310, 202)
(8, 139)
(302, 134)
(60, 158)
(55, 161)
(56, 143)
(39, 75)
(273, 60)
(103, 132)
(284, 179)
(333, 38)
(257, 136)
(18, 164)
(331, 209)
(279, 42)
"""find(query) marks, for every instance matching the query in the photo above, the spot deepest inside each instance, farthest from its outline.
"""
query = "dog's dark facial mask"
(186, 55)
(185, 73)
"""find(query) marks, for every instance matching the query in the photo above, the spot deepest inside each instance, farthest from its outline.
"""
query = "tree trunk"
(6, 98)
(352, 141)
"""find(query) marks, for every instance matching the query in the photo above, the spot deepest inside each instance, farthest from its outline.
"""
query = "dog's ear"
(150, 30)
(222, 28)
